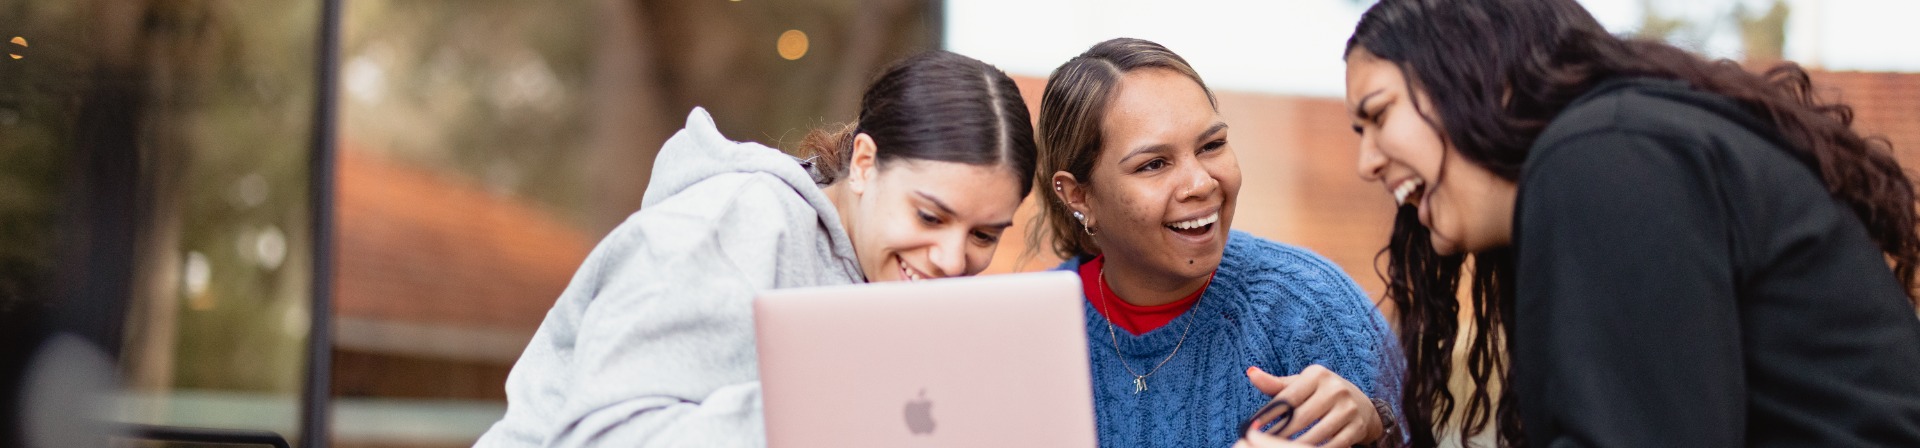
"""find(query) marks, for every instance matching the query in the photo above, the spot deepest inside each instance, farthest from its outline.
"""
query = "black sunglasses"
(1284, 416)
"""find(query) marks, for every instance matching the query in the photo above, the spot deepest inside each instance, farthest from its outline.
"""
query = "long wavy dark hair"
(1497, 73)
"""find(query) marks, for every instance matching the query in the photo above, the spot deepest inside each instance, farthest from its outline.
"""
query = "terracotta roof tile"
(418, 246)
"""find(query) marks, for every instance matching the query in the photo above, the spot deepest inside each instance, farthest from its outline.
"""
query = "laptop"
(997, 360)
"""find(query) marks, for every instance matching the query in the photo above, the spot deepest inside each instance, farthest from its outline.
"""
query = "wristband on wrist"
(1389, 425)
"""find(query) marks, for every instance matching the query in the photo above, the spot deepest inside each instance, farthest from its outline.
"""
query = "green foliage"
(1763, 34)
(493, 90)
(219, 100)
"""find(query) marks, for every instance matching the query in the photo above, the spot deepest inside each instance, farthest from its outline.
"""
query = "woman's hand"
(1344, 414)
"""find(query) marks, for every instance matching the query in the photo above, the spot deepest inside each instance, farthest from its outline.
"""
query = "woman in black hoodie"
(1668, 251)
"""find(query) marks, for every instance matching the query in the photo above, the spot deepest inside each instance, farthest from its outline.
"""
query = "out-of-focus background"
(157, 164)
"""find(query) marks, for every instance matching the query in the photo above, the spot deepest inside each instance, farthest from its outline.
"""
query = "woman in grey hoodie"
(651, 344)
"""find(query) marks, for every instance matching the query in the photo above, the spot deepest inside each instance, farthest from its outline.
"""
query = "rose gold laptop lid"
(970, 362)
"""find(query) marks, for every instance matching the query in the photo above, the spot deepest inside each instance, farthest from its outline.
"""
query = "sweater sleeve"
(652, 344)
(1626, 332)
(1348, 334)
(1326, 319)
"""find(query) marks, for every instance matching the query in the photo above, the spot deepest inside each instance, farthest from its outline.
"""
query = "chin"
(1201, 267)
(1443, 246)
(886, 272)
(1450, 248)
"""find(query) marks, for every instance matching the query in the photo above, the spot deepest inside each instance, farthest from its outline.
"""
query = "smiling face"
(923, 219)
(1467, 207)
(1161, 191)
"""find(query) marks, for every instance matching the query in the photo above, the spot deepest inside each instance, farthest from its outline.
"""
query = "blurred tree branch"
(1763, 34)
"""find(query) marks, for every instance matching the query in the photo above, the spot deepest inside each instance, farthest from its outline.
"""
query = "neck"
(1138, 287)
(843, 205)
(1504, 195)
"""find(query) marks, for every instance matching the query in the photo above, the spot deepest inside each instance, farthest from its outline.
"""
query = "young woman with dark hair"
(1660, 250)
(652, 343)
(1190, 324)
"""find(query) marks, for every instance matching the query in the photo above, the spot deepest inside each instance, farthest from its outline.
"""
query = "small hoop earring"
(1088, 229)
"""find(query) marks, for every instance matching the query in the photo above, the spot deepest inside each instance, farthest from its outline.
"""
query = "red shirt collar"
(1137, 320)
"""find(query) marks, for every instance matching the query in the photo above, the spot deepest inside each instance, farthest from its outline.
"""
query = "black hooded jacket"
(1682, 279)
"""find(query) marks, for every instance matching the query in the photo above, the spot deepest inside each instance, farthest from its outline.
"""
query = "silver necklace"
(1139, 380)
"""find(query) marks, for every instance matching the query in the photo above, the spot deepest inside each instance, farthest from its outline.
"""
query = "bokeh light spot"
(792, 44)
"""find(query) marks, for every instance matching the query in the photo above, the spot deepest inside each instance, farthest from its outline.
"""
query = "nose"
(949, 255)
(1200, 183)
(1372, 163)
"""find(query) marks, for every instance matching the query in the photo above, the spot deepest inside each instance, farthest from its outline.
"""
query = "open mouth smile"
(907, 273)
(1197, 226)
(1408, 189)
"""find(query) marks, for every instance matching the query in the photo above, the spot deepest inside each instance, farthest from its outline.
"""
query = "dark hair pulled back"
(936, 106)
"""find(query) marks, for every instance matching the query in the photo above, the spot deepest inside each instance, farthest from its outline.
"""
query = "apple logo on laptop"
(919, 413)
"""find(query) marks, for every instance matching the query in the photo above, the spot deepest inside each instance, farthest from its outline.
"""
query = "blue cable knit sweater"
(1275, 306)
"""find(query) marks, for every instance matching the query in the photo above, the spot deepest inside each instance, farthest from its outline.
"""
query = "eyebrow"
(944, 209)
(1151, 147)
(1217, 126)
(1360, 107)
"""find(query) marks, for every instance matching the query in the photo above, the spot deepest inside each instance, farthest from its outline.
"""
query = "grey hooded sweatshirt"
(652, 342)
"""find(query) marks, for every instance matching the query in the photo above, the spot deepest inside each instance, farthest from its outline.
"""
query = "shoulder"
(1279, 285)
(1306, 310)
(1070, 264)
(1263, 263)
(1647, 106)
(699, 137)
(1626, 119)
(722, 210)
(1661, 138)
(699, 153)
(1656, 137)
(739, 194)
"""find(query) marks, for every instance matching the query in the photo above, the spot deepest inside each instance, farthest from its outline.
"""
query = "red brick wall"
(1885, 104)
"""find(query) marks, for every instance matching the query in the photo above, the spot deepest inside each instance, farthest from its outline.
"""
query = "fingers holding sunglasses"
(1271, 417)
(1328, 402)
(1341, 426)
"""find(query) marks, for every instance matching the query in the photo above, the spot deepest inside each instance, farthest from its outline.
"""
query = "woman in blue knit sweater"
(1186, 317)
